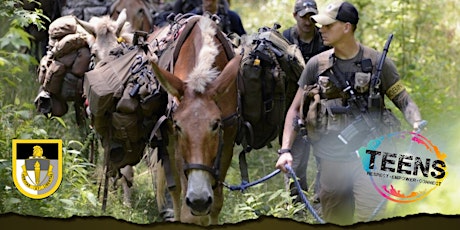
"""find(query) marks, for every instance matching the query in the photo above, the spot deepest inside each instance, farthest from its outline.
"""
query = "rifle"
(367, 117)
(375, 100)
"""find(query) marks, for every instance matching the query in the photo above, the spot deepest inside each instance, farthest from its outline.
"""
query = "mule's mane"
(203, 72)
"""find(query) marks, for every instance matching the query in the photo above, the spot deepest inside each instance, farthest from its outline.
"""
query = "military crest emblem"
(37, 167)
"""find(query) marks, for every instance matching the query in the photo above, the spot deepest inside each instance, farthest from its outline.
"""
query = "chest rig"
(352, 104)
(344, 92)
(336, 81)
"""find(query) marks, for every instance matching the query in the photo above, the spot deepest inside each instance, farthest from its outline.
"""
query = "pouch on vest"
(336, 115)
(356, 132)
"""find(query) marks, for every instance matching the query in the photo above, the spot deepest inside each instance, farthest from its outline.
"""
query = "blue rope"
(302, 196)
(244, 185)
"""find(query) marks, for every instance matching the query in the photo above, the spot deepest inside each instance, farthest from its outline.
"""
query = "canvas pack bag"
(125, 100)
(270, 64)
(60, 71)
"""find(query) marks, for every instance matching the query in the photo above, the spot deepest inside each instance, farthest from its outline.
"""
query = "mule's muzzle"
(199, 207)
(199, 196)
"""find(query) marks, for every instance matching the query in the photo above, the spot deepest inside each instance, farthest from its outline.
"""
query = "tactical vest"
(333, 82)
(334, 112)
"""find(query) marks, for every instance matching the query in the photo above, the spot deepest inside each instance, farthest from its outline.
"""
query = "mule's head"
(106, 33)
(139, 13)
(198, 126)
(204, 95)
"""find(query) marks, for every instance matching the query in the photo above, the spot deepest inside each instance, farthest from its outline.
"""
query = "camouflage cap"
(303, 7)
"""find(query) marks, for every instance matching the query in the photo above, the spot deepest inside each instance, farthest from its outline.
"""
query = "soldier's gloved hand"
(285, 158)
(312, 90)
(419, 125)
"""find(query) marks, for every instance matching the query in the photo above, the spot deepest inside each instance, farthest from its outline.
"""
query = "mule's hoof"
(167, 215)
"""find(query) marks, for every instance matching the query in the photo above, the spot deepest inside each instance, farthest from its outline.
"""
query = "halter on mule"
(201, 79)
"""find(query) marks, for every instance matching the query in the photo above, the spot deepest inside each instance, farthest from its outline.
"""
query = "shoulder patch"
(395, 89)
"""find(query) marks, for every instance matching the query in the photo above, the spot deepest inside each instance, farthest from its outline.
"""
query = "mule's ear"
(86, 26)
(122, 17)
(226, 78)
(172, 84)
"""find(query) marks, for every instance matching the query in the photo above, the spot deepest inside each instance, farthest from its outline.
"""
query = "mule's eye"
(215, 125)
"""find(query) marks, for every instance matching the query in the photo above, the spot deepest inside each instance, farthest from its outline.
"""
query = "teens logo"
(404, 167)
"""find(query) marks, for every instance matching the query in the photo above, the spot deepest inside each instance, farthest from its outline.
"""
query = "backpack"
(60, 71)
(267, 84)
(124, 101)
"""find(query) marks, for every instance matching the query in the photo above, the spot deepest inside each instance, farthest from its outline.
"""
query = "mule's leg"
(159, 184)
(127, 180)
(163, 197)
(174, 194)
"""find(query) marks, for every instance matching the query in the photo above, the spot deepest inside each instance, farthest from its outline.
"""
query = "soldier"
(230, 21)
(305, 34)
(307, 37)
(346, 194)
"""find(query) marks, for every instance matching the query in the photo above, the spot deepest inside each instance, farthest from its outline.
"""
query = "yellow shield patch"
(37, 166)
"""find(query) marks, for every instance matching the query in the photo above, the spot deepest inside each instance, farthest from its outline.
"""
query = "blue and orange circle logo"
(404, 167)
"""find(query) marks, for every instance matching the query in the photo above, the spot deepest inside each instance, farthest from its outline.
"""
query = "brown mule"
(203, 84)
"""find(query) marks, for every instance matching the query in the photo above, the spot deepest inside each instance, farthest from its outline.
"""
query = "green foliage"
(269, 198)
(264, 13)
(276, 203)
(14, 40)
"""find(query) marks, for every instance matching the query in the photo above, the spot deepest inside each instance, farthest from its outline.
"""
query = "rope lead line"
(245, 185)
(302, 195)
